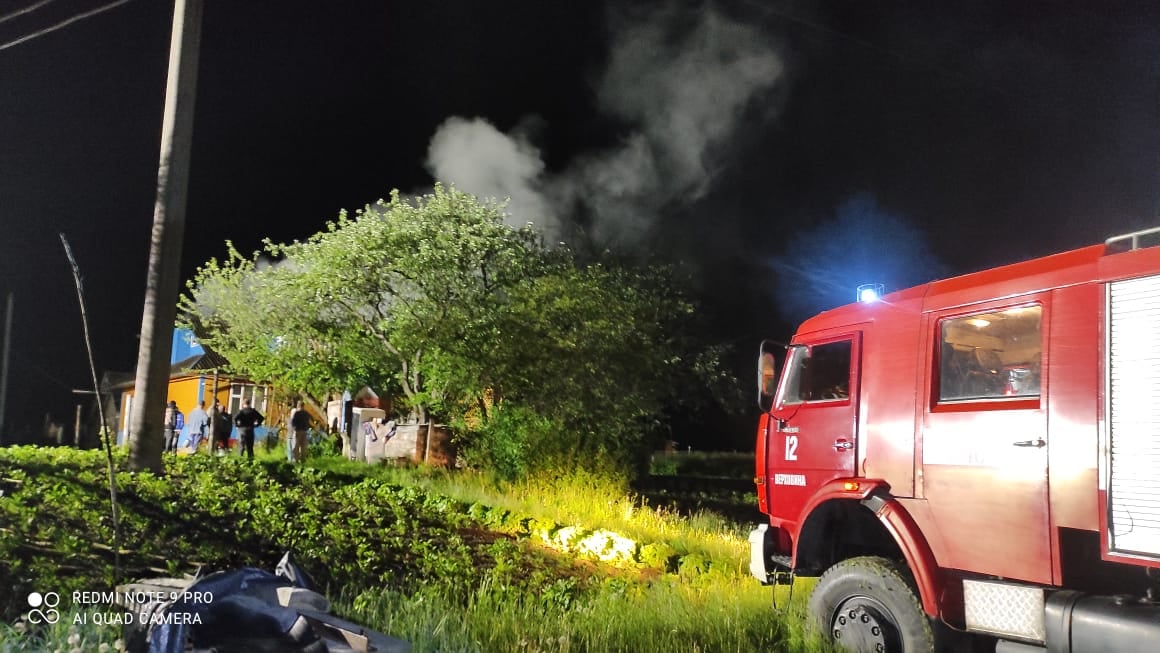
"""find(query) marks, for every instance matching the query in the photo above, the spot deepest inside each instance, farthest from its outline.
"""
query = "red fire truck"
(977, 454)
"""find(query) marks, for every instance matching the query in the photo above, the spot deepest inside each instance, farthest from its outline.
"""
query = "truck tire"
(870, 605)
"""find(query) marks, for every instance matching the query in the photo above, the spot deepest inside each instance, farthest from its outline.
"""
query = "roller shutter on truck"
(1133, 416)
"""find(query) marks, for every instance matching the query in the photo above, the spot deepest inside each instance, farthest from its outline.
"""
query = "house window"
(991, 355)
(240, 392)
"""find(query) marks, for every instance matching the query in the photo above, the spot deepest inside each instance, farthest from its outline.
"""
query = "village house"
(196, 376)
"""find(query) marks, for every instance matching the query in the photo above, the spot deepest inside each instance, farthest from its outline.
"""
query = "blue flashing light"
(870, 292)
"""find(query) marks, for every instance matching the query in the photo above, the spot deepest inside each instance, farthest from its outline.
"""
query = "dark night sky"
(998, 130)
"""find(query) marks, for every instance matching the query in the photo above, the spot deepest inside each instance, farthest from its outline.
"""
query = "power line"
(21, 12)
(64, 23)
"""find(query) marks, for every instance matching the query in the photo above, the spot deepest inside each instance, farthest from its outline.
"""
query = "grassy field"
(448, 561)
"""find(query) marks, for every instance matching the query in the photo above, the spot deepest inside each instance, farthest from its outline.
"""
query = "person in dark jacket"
(300, 423)
(174, 420)
(222, 425)
(247, 420)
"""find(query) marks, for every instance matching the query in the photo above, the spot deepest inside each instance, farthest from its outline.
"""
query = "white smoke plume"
(682, 84)
(480, 159)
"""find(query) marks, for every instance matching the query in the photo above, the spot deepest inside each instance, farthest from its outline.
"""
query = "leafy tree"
(370, 297)
(246, 310)
(538, 359)
(582, 364)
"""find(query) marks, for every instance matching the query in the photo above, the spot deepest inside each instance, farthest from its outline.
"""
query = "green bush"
(478, 511)
(518, 443)
(545, 527)
(497, 518)
(693, 565)
(664, 464)
(512, 444)
(659, 555)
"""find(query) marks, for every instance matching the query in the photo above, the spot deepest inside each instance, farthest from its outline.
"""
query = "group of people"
(219, 424)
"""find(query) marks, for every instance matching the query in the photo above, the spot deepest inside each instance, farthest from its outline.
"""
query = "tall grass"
(725, 610)
(593, 501)
(483, 595)
(714, 614)
(581, 498)
(575, 498)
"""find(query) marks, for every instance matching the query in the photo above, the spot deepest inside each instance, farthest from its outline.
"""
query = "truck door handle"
(842, 444)
(1037, 443)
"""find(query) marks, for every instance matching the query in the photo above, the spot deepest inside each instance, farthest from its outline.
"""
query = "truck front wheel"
(869, 605)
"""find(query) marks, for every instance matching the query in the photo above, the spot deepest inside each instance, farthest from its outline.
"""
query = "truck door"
(813, 425)
(985, 441)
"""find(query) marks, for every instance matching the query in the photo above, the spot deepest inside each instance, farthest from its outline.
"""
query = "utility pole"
(4, 363)
(162, 282)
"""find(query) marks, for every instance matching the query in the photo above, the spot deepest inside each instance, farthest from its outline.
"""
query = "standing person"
(198, 426)
(178, 428)
(222, 424)
(300, 423)
(247, 420)
(173, 423)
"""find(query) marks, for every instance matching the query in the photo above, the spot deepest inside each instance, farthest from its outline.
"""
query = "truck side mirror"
(767, 374)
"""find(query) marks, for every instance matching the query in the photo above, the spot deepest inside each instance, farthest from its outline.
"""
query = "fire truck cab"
(976, 454)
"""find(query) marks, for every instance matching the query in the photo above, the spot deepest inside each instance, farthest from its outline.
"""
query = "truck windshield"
(816, 373)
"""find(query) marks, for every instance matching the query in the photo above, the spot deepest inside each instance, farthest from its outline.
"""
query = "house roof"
(207, 360)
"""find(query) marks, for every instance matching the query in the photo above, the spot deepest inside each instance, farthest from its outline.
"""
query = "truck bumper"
(764, 564)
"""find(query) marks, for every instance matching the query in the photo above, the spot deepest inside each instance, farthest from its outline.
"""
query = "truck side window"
(991, 355)
(817, 373)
